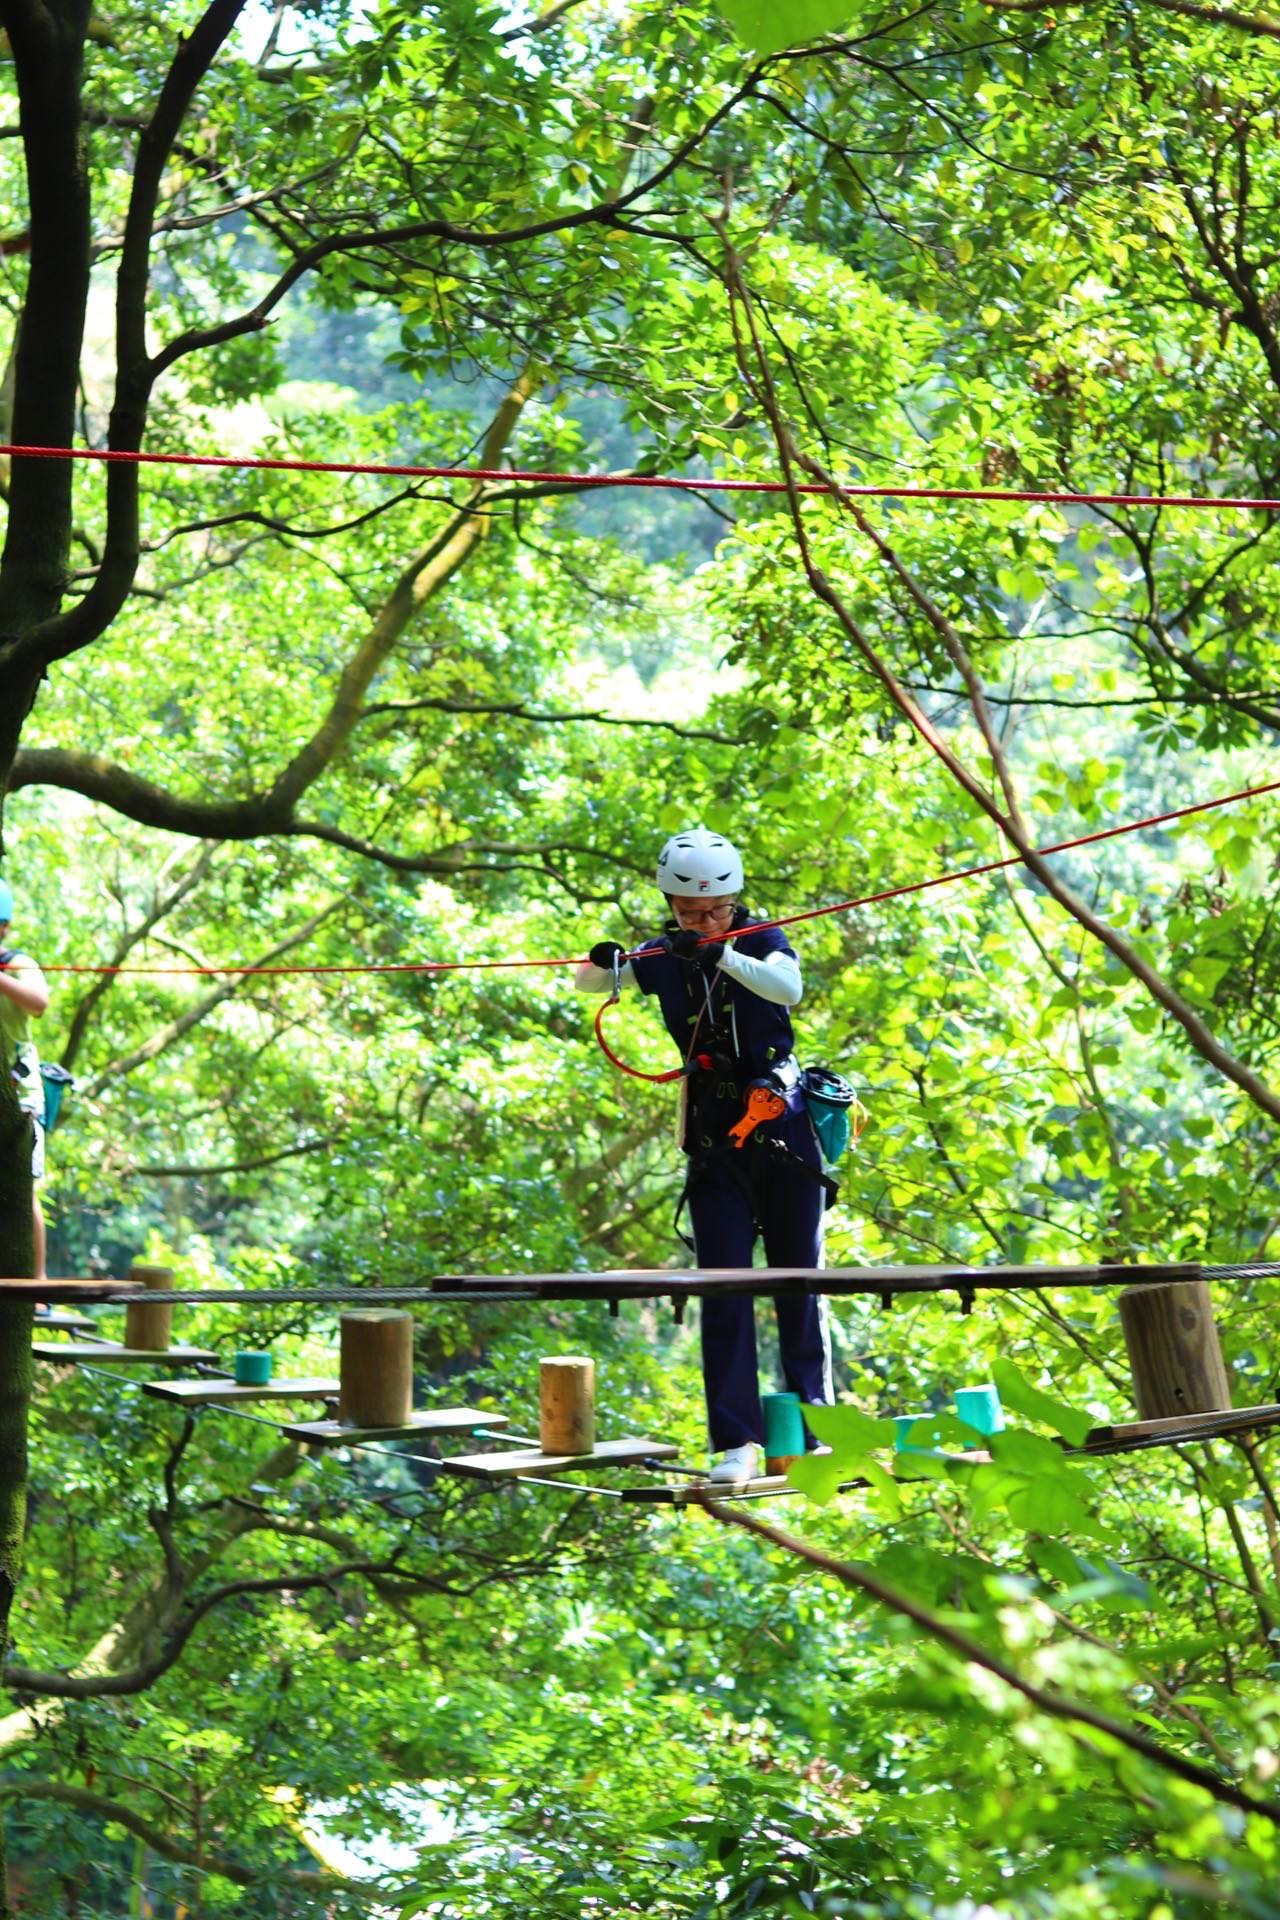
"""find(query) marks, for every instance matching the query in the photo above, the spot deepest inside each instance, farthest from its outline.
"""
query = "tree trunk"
(15, 1364)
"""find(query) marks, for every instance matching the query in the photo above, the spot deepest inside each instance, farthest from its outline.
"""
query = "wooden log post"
(1174, 1355)
(148, 1325)
(568, 1404)
(376, 1368)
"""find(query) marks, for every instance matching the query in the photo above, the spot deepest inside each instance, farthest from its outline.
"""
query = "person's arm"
(775, 978)
(592, 979)
(22, 982)
(596, 974)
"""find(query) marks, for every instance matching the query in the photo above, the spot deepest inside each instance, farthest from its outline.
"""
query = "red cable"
(112, 455)
(789, 920)
(675, 1073)
(1015, 859)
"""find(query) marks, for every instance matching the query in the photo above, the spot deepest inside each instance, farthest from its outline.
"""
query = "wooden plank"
(64, 1323)
(505, 1466)
(655, 1283)
(332, 1433)
(214, 1393)
(692, 1492)
(1179, 1426)
(68, 1353)
(69, 1290)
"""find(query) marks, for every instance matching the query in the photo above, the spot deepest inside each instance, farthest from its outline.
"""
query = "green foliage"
(984, 249)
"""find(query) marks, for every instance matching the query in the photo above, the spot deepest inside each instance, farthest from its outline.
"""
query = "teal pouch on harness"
(829, 1099)
(56, 1081)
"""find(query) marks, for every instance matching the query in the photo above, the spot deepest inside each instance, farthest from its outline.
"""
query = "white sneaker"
(737, 1466)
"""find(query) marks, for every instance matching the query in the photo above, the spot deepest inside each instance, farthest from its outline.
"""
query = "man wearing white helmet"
(724, 989)
(23, 998)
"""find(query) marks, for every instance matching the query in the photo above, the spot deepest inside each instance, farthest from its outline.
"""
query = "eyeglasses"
(701, 916)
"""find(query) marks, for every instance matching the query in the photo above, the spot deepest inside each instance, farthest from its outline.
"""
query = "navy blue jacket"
(707, 1012)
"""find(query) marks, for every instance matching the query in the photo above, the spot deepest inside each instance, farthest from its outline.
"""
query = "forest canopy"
(274, 736)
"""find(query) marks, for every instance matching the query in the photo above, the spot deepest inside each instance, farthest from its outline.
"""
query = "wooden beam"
(216, 1393)
(508, 1466)
(1179, 1426)
(420, 1425)
(64, 1323)
(1175, 1356)
(649, 1283)
(375, 1366)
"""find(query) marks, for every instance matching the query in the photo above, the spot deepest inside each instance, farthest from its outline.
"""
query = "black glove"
(7, 954)
(604, 953)
(683, 944)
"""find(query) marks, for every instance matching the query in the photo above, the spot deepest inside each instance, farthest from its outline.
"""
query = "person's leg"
(724, 1234)
(791, 1227)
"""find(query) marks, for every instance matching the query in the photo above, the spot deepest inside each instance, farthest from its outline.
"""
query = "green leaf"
(847, 1431)
(768, 28)
(818, 1476)
(1018, 1393)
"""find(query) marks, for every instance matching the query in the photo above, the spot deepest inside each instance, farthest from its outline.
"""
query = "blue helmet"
(6, 902)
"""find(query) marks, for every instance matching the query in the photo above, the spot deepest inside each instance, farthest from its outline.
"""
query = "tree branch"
(972, 1651)
(237, 1166)
(173, 1030)
(755, 369)
(303, 1878)
(1254, 23)
(160, 907)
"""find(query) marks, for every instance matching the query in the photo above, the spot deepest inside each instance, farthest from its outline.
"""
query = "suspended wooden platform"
(69, 1290)
(218, 1393)
(1131, 1435)
(102, 1353)
(420, 1425)
(64, 1323)
(682, 1283)
(631, 1451)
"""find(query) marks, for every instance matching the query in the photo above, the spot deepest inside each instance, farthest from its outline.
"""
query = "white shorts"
(37, 1147)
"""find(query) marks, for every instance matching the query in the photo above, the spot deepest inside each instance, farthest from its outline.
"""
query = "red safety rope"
(788, 920)
(1015, 859)
(529, 475)
(637, 1073)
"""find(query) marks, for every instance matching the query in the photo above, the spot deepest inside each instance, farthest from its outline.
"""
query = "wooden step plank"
(213, 1393)
(64, 1323)
(691, 1492)
(1181, 1425)
(68, 1353)
(69, 1290)
(427, 1421)
(505, 1466)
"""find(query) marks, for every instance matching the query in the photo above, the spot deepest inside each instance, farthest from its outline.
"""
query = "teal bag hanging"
(831, 1103)
(56, 1081)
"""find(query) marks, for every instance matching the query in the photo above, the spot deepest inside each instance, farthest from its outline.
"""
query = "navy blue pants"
(789, 1205)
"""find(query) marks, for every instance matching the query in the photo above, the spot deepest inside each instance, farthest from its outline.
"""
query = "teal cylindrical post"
(252, 1369)
(980, 1407)
(783, 1429)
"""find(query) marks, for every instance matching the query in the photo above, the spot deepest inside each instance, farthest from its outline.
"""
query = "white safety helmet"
(699, 862)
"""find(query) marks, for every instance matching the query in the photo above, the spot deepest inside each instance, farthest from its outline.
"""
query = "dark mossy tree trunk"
(15, 1364)
(47, 44)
